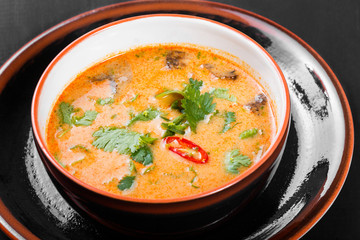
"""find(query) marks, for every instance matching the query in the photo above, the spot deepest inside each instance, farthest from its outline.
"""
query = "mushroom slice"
(117, 72)
(255, 106)
(222, 74)
(175, 59)
(100, 77)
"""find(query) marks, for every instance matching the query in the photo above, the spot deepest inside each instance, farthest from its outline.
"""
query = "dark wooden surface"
(331, 27)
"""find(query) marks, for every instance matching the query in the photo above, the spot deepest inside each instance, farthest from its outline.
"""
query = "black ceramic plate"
(311, 174)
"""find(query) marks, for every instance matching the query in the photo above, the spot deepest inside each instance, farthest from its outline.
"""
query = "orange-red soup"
(107, 128)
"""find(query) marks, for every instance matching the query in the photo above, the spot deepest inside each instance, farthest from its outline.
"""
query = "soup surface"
(161, 121)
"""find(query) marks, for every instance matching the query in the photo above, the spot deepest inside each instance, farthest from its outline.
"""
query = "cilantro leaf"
(146, 115)
(196, 105)
(229, 119)
(85, 120)
(104, 101)
(192, 90)
(223, 93)
(65, 111)
(121, 139)
(143, 155)
(234, 160)
(248, 133)
(126, 182)
(125, 141)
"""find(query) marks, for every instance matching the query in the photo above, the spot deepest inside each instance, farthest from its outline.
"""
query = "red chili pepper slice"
(186, 149)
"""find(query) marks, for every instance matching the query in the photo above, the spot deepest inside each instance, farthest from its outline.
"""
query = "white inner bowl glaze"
(126, 34)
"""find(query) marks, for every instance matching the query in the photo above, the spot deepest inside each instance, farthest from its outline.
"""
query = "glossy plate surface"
(314, 166)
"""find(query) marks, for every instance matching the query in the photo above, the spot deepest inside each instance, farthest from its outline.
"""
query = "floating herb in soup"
(161, 122)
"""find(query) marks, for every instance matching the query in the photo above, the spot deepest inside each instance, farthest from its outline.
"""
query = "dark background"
(331, 27)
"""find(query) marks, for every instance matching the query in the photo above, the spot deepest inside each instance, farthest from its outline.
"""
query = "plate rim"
(296, 228)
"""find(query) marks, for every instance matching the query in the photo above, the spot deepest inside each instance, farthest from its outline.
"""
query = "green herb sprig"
(223, 93)
(230, 118)
(234, 160)
(146, 115)
(126, 182)
(194, 105)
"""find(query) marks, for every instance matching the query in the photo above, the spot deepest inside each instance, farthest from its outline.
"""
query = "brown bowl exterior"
(165, 216)
(172, 217)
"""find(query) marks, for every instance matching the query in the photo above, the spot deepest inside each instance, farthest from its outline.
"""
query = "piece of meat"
(101, 77)
(116, 72)
(255, 106)
(175, 59)
(222, 74)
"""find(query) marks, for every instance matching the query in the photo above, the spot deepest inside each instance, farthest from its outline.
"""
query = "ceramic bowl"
(163, 216)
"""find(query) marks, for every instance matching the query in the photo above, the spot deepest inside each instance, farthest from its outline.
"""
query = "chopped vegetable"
(223, 93)
(146, 115)
(134, 98)
(175, 126)
(63, 132)
(85, 120)
(165, 118)
(234, 160)
(81, 147)
(168, 92)
(172, 128)
(147, 139)
(132, 167)
(149, 169)
(105, 101)
(186, 149)
(126, 182)
(191, 169)
(58, 160)
(215, 113)
(140, 54)
(248, 133)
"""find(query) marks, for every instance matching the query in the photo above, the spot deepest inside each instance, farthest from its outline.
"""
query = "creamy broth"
(92, 128)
